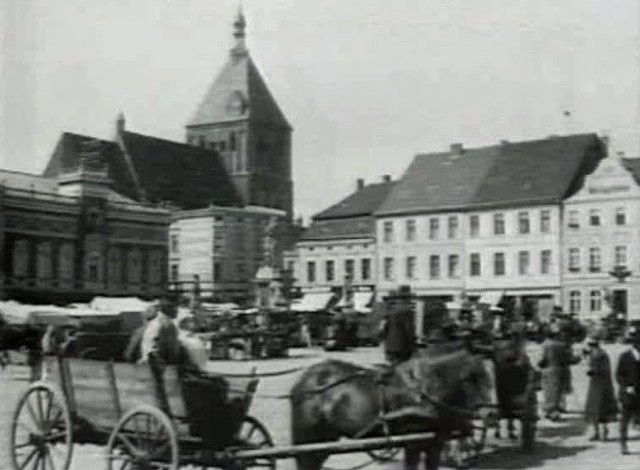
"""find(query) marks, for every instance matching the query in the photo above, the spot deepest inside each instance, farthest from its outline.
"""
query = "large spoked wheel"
(41, 433)
(144, 438)
(254, 435)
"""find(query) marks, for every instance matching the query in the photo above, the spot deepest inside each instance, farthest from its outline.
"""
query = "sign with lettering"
(609, 189)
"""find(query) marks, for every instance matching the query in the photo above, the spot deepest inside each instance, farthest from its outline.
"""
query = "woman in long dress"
(600, 406)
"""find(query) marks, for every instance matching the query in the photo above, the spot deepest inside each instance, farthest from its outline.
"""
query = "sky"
(366, 84)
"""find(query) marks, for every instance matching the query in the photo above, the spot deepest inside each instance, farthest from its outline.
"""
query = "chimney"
(359, 183)
(386, 178)
(120, 123)
(456, 148)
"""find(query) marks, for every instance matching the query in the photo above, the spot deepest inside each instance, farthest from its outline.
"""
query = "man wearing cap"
(399, 329)
(628, 378)
(160, 337)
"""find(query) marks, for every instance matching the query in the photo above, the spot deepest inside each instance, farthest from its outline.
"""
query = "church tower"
(239, 118)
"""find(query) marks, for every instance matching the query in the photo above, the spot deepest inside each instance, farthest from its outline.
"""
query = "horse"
(429, 392)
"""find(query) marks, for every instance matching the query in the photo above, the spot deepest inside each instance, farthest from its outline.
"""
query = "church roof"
(188, 177)
(239, 92)
(633, 165)
(541, 171)
(66, 156)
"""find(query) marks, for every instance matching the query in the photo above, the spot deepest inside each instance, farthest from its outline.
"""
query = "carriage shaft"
(339, 447)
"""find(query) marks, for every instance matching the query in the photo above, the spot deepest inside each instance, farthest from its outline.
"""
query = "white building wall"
(338, 251)
(485, 244)
(609, 189)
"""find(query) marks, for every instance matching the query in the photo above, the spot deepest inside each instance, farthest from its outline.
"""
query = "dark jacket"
(628, 375)
(399, 334)
(600, 405)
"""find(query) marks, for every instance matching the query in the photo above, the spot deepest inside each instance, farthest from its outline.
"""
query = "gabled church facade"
(239, 118)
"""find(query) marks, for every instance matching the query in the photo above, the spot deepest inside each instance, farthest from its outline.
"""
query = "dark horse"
(439, 393)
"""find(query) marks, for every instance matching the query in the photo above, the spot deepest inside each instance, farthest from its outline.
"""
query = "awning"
(491, 297)
(119, 304)
(312, 302)
(362, 301)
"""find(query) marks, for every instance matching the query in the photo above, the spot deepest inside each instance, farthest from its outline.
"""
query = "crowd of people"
(557, 357)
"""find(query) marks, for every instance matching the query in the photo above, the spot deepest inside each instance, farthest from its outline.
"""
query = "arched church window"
(115, 265)
(201, 141)
(134, 265)
(21, 258)
(155, 267)
(44, 262)
(233, 142)
(93, 267)
(65, 262)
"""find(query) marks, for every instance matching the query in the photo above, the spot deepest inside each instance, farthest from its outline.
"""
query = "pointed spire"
(120, 123)
(239, 26)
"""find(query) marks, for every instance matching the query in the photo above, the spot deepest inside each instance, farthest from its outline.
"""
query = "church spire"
(239, 48)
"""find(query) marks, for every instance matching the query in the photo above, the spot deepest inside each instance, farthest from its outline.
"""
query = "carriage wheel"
(41, 433)
(143, 438)
(254, 435)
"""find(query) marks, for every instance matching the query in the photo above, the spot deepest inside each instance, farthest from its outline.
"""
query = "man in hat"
(600, 405)
(399, 329)
(628, 378)
(160, 337)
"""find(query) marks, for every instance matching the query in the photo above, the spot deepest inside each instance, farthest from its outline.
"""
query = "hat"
(593, 340)
(496, 309)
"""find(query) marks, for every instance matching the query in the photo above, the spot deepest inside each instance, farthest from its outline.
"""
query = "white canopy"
(312, 302)
(119, 304)
(491, 297)
(362, 301)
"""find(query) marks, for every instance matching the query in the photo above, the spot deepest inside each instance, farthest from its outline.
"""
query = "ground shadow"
(569, 427)
(512, 458)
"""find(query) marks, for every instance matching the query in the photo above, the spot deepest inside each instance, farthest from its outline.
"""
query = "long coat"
(556, 373)
(600, 406)
(628, 375)
(399, 334)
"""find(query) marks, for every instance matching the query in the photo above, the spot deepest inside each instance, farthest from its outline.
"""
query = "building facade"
(239, 118)
(73, 237)
(601, 242)
(223, 246)
(484, 223)
(338, 249)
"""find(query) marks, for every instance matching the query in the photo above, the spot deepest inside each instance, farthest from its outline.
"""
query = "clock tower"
(239, 119)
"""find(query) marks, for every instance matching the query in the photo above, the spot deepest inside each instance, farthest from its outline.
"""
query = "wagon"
(152, 420)
(145, 418)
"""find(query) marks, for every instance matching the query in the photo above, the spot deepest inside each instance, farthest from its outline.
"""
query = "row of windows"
(349, 270)
(57, 262)
(452, 226)
(348, 246)
(595, 218)
(575, 301)
(475, 265)
(242, 272)
(595, 258)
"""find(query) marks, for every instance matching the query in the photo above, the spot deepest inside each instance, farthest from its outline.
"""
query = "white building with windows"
(485, 222)
(602, 239)
(224, 246)
(338, 248)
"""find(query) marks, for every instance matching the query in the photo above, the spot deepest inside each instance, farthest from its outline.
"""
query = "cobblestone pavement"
(562, 445)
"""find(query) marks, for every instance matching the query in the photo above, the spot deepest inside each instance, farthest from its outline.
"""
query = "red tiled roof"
(188, 176)
(238, 78)
(331, 229)
(365, 201)
(532, 172)
(66, 154)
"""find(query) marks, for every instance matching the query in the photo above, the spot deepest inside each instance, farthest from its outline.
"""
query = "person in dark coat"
(600, 406)
(555, 364)
(399, 328)
(628, 378)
